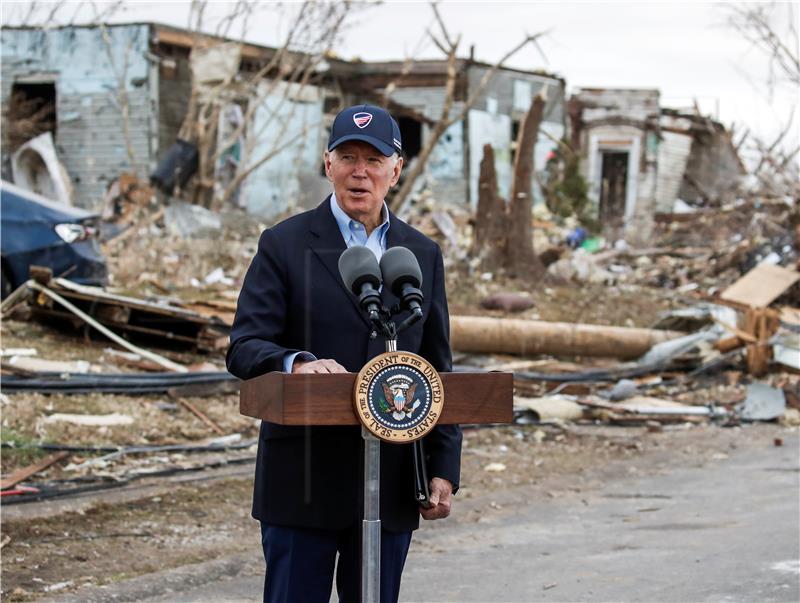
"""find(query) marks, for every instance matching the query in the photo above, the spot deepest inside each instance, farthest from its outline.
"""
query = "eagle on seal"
(400, 399)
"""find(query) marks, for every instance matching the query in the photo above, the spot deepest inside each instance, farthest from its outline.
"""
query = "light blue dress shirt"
(353, 233)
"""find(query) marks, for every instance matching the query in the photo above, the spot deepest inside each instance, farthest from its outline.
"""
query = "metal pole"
(371, 526)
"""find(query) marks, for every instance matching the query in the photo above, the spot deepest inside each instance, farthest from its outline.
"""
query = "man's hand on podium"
(326, 365)
(441, 493)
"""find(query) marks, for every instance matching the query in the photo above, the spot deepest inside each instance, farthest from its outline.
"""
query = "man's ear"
(398, 167)
(326, 158)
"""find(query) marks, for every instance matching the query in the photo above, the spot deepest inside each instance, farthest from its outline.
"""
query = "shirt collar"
(345, 222)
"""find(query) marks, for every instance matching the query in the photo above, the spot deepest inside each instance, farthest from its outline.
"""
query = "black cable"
(111, 383)
(46, 494)
(135, 449)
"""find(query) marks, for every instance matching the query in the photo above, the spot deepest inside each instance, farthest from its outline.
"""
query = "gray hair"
(394, 157)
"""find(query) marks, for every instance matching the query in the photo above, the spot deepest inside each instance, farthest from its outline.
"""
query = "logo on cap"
(362, 119)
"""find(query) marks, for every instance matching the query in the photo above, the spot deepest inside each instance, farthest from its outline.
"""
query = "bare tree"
(312, 32)
(449, 47)
(756, 23)
(771, 28)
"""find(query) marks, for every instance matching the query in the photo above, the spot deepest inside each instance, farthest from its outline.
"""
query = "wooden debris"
(130, 359)
(28, 364)
(530, 337)
(24, 473)
(761, 324)
(761, 286)
(207, 330)
(166, 363)
(200, 415)
(728, 344)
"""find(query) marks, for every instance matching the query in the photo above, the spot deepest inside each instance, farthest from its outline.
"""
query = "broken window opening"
(515, 126)
(411, 133)
(31, 112)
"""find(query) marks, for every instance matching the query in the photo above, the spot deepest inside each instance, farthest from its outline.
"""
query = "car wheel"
(6, 284)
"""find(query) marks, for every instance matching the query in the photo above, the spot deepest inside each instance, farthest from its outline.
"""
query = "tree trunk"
(522, 260)
(488, 240)
(533, 337)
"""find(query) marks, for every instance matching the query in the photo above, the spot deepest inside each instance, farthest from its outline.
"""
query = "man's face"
(361, 177)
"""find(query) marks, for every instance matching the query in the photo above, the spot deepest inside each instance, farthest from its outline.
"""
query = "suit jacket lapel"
(327, 244)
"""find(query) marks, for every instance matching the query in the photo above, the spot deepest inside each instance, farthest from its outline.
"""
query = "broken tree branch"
(519, 251)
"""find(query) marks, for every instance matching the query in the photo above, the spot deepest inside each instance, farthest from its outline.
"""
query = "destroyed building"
(97, 78)
(639, 158)
(494, 118)
(93, 75)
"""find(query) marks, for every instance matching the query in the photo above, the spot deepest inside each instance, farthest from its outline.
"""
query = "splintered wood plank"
(761, 286)
(20, 475)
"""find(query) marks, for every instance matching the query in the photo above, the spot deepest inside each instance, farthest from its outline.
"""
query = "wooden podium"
(327, 399)
(319, 399)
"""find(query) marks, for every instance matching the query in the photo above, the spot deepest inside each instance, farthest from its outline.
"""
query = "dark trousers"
(300, 564)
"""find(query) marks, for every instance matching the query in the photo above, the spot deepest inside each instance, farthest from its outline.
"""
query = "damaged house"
(639, 158)
(117, 98)
(494, 118)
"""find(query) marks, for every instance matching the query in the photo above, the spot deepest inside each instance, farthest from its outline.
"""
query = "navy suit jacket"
(293, 299)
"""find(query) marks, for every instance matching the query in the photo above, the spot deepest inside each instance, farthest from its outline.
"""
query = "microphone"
(360, 272)
(402, 275)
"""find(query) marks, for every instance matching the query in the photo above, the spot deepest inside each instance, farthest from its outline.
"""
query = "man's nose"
(360, 168)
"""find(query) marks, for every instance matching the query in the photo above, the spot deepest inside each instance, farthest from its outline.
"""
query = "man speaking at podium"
(296, 315)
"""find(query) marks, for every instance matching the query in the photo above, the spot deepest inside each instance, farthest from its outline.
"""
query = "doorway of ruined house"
(613, 188)
(31, 111)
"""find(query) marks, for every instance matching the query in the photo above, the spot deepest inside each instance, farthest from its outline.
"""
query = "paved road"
(725, 531)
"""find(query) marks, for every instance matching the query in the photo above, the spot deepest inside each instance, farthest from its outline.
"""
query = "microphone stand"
(371, 524)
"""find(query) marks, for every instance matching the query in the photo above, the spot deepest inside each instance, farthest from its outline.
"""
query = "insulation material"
(36, 167)
(215, 64)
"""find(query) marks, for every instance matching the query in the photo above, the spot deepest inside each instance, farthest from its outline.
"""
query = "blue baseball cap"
(370, 124)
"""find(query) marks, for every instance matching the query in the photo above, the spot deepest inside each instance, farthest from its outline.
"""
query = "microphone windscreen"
(357, 265)
(399, 266)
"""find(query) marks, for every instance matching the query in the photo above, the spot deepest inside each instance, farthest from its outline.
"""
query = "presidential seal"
(398, 397)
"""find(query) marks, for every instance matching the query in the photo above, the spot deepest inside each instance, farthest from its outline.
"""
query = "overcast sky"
(686, 50)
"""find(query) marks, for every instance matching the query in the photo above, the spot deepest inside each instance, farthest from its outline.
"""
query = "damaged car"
(39, 232)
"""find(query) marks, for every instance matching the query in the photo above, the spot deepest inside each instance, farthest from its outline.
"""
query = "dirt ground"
(202, 518)
(107, 542)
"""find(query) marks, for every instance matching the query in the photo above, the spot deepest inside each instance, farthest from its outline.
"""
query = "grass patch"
(18, 450)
